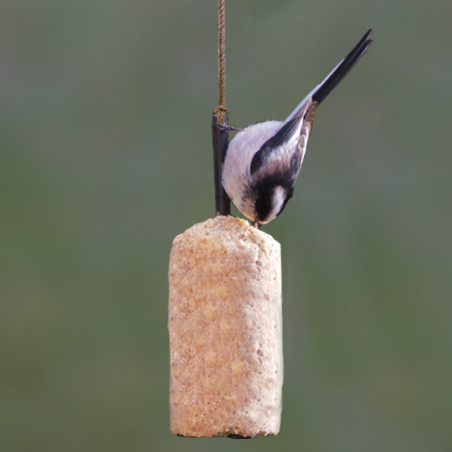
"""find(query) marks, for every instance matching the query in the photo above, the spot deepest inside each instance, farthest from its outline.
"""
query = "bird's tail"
(342, 69)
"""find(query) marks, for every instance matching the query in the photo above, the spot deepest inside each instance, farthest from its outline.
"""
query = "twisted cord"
(221, 109)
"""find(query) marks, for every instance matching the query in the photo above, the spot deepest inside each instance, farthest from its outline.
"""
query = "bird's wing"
(279, 148)
(306, 129)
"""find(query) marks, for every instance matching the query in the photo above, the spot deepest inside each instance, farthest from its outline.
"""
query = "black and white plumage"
(263, 160)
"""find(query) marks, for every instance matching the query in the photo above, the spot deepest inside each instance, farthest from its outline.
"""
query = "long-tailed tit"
(263, 160)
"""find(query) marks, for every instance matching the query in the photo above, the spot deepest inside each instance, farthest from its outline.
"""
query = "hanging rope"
(221, 109)
(220, 119)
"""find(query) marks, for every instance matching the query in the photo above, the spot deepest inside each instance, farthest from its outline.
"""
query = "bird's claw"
(227, 128)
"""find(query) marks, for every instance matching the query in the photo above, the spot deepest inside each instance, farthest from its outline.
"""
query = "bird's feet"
(227, 128)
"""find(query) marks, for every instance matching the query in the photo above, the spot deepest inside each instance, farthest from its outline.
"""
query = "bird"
(263, 160)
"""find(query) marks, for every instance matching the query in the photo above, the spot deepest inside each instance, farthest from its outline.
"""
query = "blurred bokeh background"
(105, 156)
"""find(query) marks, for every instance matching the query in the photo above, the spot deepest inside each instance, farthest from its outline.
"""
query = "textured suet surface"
(225, 330)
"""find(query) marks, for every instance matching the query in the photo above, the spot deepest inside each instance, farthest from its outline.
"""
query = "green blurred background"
(105, 155)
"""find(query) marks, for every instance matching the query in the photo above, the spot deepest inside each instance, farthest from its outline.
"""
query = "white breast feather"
(236, 169)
